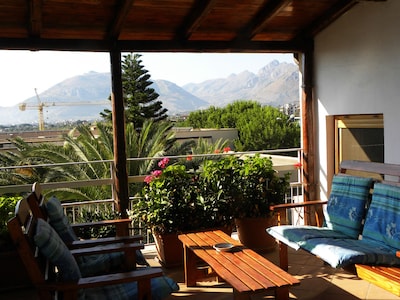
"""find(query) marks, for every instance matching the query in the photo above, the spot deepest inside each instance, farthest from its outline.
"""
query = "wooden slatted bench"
(245, 270)
(386, 277)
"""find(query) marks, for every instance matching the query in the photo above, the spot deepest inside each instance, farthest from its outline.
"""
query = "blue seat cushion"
(59, 221)
(344, 252)
(296, 236)
(347, 204)
(54, 249)
(382, 224)
(161, 288)
(91, 264)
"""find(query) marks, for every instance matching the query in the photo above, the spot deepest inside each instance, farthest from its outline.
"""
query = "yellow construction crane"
(39, 106)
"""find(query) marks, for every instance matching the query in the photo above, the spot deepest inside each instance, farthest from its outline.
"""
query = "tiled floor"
(318, 282)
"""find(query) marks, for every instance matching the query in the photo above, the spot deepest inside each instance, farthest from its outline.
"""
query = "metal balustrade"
(282, 163)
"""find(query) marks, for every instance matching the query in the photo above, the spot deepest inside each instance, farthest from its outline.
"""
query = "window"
(355, 137)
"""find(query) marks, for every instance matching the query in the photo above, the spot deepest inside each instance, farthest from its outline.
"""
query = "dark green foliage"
(88, 216)
(152, 141)
(171, 200)
(250, 185)
(175, 200)
(140, 100)
(7, 208)
(260, 127)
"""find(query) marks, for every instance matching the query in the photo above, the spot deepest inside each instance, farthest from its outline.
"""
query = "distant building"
(56, 136)
(290, 109)
(209, 134)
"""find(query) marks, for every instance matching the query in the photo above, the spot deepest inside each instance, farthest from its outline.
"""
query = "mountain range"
(274, 84)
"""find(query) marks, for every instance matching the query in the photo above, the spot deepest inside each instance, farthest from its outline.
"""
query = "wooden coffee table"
(245, 270)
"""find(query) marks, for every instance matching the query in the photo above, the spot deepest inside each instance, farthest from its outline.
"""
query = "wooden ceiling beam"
(199, 11)
(121, 14)
(153, 46)
(328, 17)
(35, 18)
(266, 13)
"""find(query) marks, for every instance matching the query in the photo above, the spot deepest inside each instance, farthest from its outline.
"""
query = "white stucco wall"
(357, 70)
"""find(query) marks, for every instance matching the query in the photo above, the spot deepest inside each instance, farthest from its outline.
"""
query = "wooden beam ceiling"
(166, 25)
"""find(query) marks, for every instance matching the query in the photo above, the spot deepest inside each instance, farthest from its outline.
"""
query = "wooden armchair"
(39, 210)
(67, 231)
(52, 267)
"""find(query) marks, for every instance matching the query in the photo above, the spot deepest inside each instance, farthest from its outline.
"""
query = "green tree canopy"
(140, 100)
(259, 127)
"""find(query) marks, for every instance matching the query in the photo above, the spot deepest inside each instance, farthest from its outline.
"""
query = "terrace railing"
(284, 160)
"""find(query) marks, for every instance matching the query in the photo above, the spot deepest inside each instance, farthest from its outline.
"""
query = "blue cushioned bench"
(360, 230)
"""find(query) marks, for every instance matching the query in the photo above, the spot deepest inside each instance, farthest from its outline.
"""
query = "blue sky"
(23, 71)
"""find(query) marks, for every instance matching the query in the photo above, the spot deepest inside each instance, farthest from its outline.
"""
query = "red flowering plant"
(174, 200)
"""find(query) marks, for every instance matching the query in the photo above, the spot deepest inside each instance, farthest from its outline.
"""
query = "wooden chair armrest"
(136, 275)
(105, 241)
(121, 225)
(299, 204)
(106, 249)
(130, 256)
(142, 276)
(280, 210)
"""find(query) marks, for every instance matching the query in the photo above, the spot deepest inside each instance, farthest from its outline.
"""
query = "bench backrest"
(36, 203)
(387, 173)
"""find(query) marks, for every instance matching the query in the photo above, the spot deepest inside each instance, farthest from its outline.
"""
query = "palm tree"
(94, 151)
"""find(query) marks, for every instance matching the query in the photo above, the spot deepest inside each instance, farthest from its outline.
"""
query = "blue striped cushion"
(346, 205)
(90, 265)
(340, 253)
(59, 221)
(54, 249)
(382, 224)
(297, 236)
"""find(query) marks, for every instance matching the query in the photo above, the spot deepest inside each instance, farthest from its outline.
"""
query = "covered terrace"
(346, 50)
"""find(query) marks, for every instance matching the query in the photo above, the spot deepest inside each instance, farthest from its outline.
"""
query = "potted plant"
(174, 201)
(251, 185)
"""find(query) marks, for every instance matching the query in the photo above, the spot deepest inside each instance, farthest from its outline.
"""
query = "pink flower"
(189, 157)
(227, 149)
(156, 173)
(163, 163)
(217, 151)
(148, 179)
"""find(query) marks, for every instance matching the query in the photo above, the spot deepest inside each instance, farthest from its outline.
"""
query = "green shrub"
(87, 216)
(7, 208)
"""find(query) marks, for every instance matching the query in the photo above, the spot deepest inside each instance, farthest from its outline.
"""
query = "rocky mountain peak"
(274, 84)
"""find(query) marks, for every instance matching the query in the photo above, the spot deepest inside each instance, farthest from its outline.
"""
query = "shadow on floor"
(318, 281)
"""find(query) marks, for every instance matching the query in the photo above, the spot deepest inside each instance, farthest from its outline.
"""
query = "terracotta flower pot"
(252, 233)
(169, 249)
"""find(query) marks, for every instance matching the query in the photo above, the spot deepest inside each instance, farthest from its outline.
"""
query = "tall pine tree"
(140, 100)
